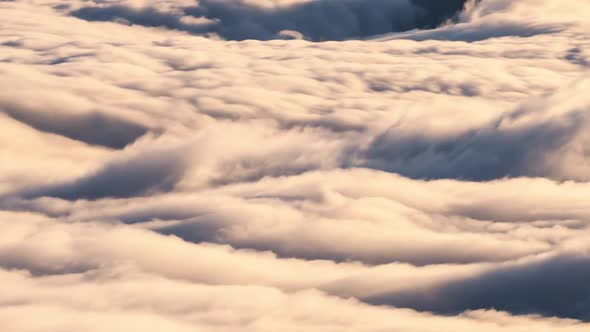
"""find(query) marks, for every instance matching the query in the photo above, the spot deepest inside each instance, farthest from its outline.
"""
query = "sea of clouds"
(294, 165)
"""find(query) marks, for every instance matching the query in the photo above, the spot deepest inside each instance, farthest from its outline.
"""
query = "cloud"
(315, 20)
(520, 143)
(552, 287)
(160, 172)
(381, 226)
(99, 302)
(478, 32)
(94, 128)
(147, 173)
(146, 16)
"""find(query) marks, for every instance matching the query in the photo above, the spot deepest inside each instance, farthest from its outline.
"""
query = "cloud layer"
(161, 172)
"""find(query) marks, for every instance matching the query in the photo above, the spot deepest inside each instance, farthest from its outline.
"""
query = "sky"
(294, 165)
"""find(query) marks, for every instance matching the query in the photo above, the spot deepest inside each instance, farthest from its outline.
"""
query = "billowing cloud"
(534, 140)
(264, 165)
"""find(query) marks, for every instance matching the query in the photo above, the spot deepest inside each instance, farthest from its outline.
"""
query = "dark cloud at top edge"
(318, 20)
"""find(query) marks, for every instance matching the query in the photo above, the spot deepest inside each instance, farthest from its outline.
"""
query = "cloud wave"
(180, 166)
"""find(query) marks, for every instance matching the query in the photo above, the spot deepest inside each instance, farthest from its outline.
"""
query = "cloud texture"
(189, 166)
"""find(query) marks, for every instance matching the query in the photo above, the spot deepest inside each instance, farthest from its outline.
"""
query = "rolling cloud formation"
(294, 165)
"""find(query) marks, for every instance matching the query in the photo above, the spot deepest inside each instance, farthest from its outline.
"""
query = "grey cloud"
(17, 261)
(149, 17)
(96, 128)
(555, 287)
(576, 56)
(147, 173)
(318, 20)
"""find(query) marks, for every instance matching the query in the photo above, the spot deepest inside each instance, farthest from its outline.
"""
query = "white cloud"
(152, 178)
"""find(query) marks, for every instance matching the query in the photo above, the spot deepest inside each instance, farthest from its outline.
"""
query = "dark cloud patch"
(159, 213)
(486, 211)
(316, 20)
(148, 17)
(197, 231)
(333, 125)
(12, 43)
(555, 287)
(484, 154)
(576, 56)
(17, 261)
(155, 172)
(95, 128)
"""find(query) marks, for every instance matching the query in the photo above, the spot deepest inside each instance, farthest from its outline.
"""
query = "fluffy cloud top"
(425, 170)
